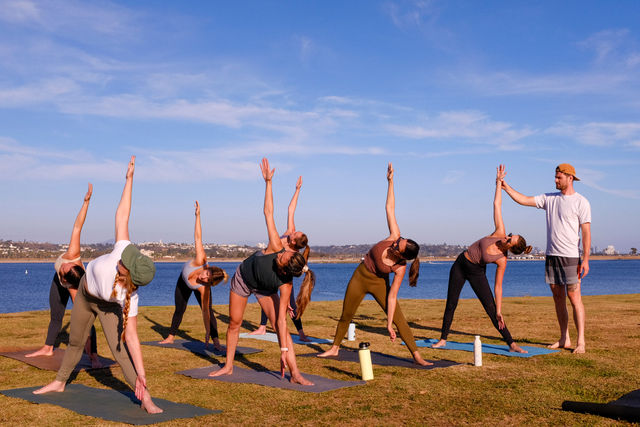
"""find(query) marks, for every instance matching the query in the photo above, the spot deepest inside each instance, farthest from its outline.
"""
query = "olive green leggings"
(364, 282)
(85, 309)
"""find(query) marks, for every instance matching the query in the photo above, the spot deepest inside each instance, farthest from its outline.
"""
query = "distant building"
(610, 250)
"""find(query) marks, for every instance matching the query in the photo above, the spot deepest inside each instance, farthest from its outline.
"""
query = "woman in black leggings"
(68, 272)
(471, 265)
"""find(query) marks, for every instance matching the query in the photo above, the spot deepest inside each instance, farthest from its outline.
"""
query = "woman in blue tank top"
(264, 274)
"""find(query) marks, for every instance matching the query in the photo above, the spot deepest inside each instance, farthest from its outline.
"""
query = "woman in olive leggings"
(372, 277)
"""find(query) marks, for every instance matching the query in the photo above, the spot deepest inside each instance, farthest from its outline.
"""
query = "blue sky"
(332, 91)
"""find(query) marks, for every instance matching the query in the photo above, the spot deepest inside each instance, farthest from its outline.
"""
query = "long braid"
(130, 287)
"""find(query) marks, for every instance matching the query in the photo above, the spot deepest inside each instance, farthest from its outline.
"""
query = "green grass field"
(505, 391)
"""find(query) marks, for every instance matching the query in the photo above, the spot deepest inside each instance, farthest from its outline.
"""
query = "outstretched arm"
(502, 266)
(201, 257)
(274, 239)
(497, 203)
(133, 345)
(74, 244)
(392, 300)
(291, 225)
(394, 230)
(518, 197)
(124, 207)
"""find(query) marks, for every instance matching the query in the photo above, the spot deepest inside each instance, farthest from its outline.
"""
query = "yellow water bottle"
(365, 361)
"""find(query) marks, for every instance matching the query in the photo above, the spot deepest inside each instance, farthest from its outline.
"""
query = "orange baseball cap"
(566, 168)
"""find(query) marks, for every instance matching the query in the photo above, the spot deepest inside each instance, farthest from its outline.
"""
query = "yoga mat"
(52, 363)
(627, 407)
(381, 359)
(270, 336)
(502, 350)
(270, 379)
(198, 348)
(110, 405)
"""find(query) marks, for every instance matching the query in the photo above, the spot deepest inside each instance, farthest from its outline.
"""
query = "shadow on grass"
(343, 372)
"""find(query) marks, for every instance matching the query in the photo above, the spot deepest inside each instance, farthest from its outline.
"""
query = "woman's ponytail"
(304, 296)
(414, 272)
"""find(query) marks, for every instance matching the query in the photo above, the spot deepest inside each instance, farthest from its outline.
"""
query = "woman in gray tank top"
(265, 280)
(197, 276)
(471, 265)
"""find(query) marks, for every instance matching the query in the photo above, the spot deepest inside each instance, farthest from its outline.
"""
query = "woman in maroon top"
(372, 277)
(471, 265)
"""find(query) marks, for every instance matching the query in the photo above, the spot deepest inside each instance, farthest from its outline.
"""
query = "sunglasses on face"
(509, 238)
(396, 246)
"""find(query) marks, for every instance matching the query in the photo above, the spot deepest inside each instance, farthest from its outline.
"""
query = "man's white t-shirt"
(565, 215)
(101, 273)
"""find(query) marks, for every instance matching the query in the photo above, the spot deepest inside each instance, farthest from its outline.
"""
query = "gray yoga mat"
(270, 379)
(198, 348)
(381, 359)
(52, 363)
(270, 336)
(627, 407)
(110, 405)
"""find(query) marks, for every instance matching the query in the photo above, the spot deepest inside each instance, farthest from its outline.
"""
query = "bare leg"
(559, 299)
(575, 297)
(270, 306)
(45, 350)
(237, 304)
(439, 344)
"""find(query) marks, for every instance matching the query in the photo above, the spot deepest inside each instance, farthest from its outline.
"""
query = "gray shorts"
(562, 271)
(237, 286)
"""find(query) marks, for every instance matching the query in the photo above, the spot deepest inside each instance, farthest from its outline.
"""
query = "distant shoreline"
(316, 260)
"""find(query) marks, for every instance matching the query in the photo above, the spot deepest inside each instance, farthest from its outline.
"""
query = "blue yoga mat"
(270, 336)
(502, 350)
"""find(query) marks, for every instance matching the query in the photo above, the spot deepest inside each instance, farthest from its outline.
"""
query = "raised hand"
(299, 183)
(500, 173)
(197, 206)
(266, 173)
(87, 196)
(131, 167)
(389, 172)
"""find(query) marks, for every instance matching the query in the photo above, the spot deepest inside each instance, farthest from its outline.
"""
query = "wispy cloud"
(599, 133)
(593, 179)
(453, 177)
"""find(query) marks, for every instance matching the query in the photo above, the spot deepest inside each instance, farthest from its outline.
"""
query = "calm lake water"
(25, 287)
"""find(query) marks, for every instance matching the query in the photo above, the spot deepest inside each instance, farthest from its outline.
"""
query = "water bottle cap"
(364, 345)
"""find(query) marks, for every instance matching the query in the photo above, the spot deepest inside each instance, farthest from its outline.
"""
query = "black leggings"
(182, 294)
(292, 303)
(58, 299)
(476, 274)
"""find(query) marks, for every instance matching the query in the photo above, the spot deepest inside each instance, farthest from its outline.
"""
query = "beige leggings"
(85, 309)
(364, 282)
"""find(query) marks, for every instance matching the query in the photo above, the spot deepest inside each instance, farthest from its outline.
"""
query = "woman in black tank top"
(252, 277)
(471, 266)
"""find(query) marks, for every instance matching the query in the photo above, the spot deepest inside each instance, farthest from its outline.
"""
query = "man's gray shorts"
(561, 270)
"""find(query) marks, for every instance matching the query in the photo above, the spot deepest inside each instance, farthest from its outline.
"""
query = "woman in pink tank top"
(471, 265)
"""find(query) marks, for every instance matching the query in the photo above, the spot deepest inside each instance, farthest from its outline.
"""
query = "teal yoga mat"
(110, 405)
(502, 350)
(270, 336)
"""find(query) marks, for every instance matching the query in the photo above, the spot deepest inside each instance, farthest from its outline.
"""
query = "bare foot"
(148, 405)
(95, 361)
(439, 344)
(333, 351)
(579, 349)
(299, 379)
(46, 350)
(260, 331)
(225, 370)
(515, 348)
(561, 344)
(303, 337)
(56, 385)
(168, 340)
(418, 360)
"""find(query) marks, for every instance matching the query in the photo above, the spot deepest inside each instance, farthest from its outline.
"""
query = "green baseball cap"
(140, 266)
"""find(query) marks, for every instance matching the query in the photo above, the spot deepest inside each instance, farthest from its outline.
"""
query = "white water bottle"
(366, 366)
(477, 351)
(351, 332)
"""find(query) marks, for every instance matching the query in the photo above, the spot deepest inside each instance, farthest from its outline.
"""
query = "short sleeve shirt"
(565, 214)
(101, 274)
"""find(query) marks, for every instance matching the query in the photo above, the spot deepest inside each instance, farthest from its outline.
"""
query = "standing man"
(568, 213)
